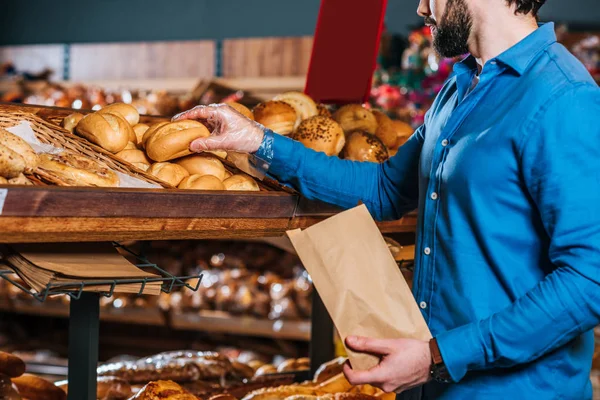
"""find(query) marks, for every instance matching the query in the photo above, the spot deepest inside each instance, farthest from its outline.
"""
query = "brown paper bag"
(359, 281)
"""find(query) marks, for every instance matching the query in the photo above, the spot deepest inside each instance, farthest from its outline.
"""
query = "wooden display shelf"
(205, 321)
(222, 322)
(62, 214)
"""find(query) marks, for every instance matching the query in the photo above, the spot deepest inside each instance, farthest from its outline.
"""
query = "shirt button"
(445, 142)
(434, 196)
(423, 305)
(427, 251)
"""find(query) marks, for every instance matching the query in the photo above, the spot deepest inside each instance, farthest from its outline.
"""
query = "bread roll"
(354, 117)
(11, 163)
(203, 165)
(323, 111)
(228, 174)
(32, 387)
(109, 131)
(168, 172)
(127, 111)
(76, 170)
(20, 180)
(321, 134)
(303, 363)
(242, 109)
(265, 370)
(335, 384)
(241, 183)
(329, 369)
(21, 147)
(135, 157)
(201, 182)
(167, 390)
(129, 146)
(139, 130)
(173, 140)
(386, 132)
(11, 365)
(71, 121)
(278, 116)
(305, 106)
(362, 146)
(4, 181)
(150, 131)
(403, 132)
(108, 388)
(255, 364)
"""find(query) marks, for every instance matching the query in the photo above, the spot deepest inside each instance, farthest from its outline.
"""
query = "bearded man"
(506, 177)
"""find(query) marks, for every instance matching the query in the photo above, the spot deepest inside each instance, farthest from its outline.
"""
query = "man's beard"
(453, 30)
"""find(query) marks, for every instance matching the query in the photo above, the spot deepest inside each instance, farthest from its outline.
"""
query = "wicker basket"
(49, 133)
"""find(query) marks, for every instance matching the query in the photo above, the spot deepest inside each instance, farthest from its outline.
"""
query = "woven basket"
(49, 133)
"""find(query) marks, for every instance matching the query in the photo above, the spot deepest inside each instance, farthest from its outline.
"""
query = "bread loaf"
(150, 131)
(386, 132)
(126, 111)
(139, 130)
(305, 106)
(241, 183)
(278, 116)
(76, 170)
(109, 131)
(71, 121)
(321, 134)
(32, 387)
(173, 140)
(168, 172)
(21, 147)
(201, 182)
(135, 157)
(242, 109)
(362, 146)
(354, 117)
(203, 165)
(11, 163)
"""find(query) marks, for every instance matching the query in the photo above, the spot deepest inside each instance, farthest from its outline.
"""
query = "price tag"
(3, 194)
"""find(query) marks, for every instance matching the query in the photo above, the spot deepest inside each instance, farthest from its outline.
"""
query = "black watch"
(439, 372)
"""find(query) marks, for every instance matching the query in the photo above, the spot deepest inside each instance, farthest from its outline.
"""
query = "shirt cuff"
(274, 153)
(462, 350)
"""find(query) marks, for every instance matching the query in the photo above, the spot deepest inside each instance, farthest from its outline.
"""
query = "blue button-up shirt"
(507, 182)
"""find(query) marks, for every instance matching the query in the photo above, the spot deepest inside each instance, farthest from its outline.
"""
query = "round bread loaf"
(203, 165)
(71, 121)
(127, 111)
(403, 132)
(305, 106)
(242, 109)
(386, 131)
(135, 157)
(109, 131)
(321, 134)
(139, 130)
(202, 182)
(76, 170)
(362, 146)
(168, 172)
(277, 116)
(173, 140)
(354, 117)
(241, 183)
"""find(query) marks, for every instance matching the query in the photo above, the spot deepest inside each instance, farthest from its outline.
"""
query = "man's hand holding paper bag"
(366, 295)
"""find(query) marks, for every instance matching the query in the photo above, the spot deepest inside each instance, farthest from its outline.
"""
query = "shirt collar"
(519, 56)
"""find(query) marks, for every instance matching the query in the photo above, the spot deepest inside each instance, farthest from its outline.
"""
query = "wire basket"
(169, 281)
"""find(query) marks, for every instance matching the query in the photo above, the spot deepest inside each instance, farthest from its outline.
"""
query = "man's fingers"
(198, 112)
(370, 376)
(369, 345)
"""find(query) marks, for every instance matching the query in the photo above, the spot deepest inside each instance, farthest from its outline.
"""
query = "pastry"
(362, 146)
(21, 147)
(241, 183)
(71, 121)
(321, 134)
(277, 116)
(354, 117)
(203, 165)
(75, 170)
(11, 365)
(136, 158)
(242, 109)
(127, 111)
(32, 387)
(386, 131)
(109, 131)
(11, 163)
(305, 106)
(173, 140)
(168, 172)
(201, 182)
